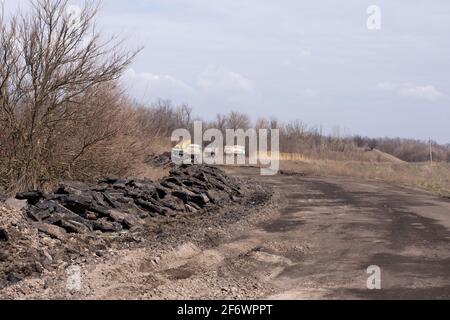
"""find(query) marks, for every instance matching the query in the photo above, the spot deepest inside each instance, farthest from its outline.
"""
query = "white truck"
(235, 150)
(186, 151)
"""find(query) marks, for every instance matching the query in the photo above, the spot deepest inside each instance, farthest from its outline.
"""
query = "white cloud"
(427, 92)
(422, 92)
(389, 86)
(309, 93)
(297, 59)
(215, 83)
(286, 62)
(305, 53)
(146, 86)
(216, 78)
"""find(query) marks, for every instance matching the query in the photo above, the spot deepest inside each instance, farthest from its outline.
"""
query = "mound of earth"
(113, 205)
(84, 221)
(380, 156)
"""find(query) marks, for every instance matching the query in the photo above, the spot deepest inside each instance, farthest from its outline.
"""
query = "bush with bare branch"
(59, 103)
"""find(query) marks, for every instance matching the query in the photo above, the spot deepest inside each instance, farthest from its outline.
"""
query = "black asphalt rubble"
(79, 223)
(160, 160)
(113, 205)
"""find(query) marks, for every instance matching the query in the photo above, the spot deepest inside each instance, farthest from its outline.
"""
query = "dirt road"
(340, 227)
(315, 240)
(319, 243)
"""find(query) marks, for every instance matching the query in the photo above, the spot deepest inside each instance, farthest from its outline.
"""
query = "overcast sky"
(310, 60)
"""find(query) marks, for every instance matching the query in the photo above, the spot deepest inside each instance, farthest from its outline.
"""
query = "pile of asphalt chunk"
(160, 160)
(113, 205)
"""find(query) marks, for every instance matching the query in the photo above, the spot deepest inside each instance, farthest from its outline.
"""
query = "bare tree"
(236, 120)
(53, 63)
(262, 123)
(221, 122)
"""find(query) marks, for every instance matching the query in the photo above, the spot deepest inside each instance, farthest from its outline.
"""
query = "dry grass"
(144, 170)
(149, 172)
(357, 155)
(353, 155)
(434, 178)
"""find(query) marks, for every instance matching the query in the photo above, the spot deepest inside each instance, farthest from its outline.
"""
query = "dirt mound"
(113, 205)
(25, 251)
(380, 156)
(78, 222)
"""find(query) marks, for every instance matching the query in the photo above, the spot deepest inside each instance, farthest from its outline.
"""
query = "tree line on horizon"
(163, 117)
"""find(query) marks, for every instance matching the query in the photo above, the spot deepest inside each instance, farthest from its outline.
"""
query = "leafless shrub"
(160, 119)
(236, 120)
(59, 107)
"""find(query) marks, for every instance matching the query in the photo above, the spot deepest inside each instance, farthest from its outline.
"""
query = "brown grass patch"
(435, 178)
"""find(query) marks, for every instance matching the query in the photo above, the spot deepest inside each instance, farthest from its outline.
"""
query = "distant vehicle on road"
(186, 150)
(235, 150)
